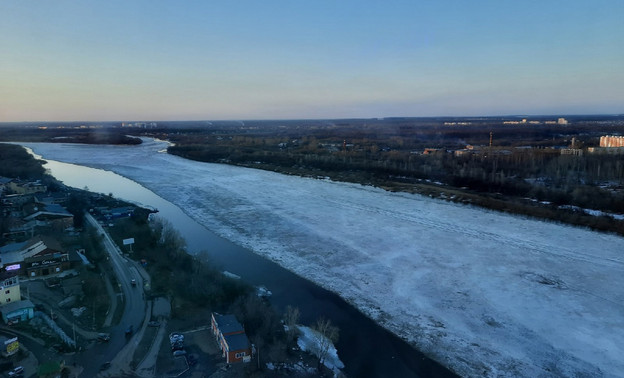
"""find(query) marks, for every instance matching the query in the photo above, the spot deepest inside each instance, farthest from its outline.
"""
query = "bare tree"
(327, 335)
(291, 318)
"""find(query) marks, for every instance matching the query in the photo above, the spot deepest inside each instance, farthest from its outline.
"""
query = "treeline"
(540, 173)
(517, 171)
(17, 163)
(63, 135)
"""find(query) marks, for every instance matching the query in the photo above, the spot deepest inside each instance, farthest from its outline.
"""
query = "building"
(20, 187)
(16, 312)
(430, 151)
(9, 288)
(606, 150)
(562, 121)
(51, 198)
(231, 337)
(46, 264)
(54, 215)
(610, 141)
(572, 151)
(10, 345)
(118, 212)
(36, 257)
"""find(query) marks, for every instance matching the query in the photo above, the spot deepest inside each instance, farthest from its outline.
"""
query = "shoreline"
(444, 210)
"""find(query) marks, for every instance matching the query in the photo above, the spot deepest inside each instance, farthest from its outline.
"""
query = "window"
(240, 355)
(8, 300)
(7, 292)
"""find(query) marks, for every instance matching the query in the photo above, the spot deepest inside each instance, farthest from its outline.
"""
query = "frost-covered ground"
(484, 293)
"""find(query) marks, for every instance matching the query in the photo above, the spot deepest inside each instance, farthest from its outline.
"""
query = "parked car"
(103, 337)
(176, 338)
(17, 372)
(177, 345)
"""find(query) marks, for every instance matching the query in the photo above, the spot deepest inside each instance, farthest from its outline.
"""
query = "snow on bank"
(310, 341)
(486, 294)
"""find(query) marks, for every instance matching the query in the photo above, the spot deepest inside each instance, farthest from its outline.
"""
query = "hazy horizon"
(502, 116)
(156, 60)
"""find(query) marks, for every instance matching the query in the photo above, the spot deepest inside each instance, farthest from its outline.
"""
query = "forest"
(519, 169)
(511, 164)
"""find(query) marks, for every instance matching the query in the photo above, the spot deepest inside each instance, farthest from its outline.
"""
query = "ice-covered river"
(485, 293)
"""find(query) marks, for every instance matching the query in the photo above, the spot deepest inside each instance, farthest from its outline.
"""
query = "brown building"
(36, 257)
(231, 337)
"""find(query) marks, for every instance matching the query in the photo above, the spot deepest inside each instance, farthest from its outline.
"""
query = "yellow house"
(9, 289)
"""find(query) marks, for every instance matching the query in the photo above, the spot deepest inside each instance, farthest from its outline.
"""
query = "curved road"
(120, 349)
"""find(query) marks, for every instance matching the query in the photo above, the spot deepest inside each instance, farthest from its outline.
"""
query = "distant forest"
(517, 168)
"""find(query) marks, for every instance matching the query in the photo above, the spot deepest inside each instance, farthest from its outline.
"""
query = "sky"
(207, 60)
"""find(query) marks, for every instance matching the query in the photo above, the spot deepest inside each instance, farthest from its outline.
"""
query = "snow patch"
(309, 340)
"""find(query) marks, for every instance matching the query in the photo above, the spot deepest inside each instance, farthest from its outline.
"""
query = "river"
(366, 349)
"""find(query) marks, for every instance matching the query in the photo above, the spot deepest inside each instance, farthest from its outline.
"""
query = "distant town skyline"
(196, 60)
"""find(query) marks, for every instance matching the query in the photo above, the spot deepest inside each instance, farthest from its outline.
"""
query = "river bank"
(465, 285)
(367, 349)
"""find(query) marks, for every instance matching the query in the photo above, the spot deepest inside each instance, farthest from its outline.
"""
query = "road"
(120, 348)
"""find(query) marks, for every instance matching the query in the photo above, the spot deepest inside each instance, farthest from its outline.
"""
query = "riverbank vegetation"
(518, 169)
(505, 164)
(194, 287)
(64, 133)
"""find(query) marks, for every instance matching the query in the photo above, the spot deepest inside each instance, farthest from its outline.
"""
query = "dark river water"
(366, 349)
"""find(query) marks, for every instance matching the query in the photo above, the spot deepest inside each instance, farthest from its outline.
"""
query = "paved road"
(119, 349)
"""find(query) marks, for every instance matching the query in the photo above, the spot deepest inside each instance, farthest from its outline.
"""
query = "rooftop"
(228, 324)
(237, 342)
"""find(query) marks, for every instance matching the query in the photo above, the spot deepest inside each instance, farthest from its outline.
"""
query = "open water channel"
(366, 349)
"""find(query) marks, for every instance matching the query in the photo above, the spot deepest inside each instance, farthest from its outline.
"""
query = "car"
(17, 372)
(103, 337)
(129, 330)
(133, 282)
(153, 323)
(178, 353)
(177, 346)
(173, 335)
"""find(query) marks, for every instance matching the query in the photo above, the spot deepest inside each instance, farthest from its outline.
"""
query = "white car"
(16, 372)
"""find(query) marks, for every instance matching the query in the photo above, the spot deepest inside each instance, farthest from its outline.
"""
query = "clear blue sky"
(158, 60)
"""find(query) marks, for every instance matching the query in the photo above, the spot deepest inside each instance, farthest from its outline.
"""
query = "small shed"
(19, 311)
